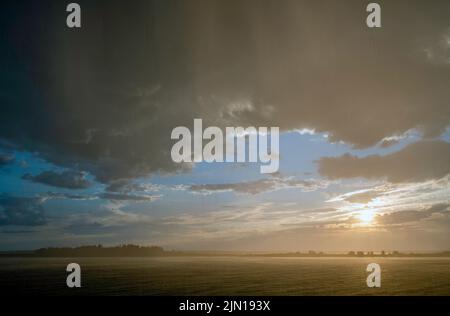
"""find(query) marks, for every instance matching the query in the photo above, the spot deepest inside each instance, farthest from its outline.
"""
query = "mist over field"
(229, 276)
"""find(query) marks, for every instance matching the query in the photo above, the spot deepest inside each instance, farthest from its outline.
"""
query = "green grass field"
(226, 276)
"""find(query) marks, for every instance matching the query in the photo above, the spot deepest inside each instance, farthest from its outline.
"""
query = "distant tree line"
(130, 250)
(312, 253)
(100, 251)
(372, 253)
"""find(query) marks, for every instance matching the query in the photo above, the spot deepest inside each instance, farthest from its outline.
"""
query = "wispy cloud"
(128, 197)
(260, 186)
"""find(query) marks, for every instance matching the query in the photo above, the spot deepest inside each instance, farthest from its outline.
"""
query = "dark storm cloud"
(420, 161)
(65, 179)
(106, 97)
(20, 211)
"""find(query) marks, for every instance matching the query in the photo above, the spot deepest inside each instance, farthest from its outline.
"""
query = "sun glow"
(366, 217)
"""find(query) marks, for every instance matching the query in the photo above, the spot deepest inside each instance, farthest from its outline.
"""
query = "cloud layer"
(417, 162)
(106, 97)
(20, 211)
(409, 216)
(6, 159)
(65, 179)
(259, 186)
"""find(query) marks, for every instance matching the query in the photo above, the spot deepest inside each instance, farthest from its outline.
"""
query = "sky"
(86, 117)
